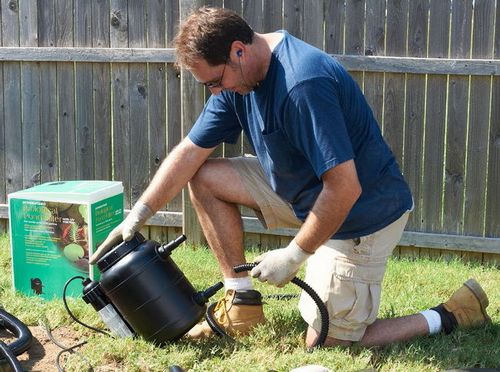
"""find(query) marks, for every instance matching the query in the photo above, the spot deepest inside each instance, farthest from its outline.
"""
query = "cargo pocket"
(356, 294)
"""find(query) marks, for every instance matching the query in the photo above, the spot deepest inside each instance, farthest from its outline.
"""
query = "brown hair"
(208, 34)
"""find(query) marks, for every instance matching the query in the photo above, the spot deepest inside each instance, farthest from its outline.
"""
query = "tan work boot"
(237, 313)
(465, 308)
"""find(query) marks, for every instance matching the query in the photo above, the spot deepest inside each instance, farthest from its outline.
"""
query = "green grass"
(409, 286)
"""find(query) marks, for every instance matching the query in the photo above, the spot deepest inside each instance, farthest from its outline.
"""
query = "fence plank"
(435, 119)
(456, 137)
(314, 14)
(120, 94)
(174, 129)
(3, 196)
(272, 12)
(394, 90)
(156, 38)
(48, 100)
(101, 72)
(65, 93)
(477, 139)
(30, 97)
(493, 200)
(354, 37)
(138, 104)
(84, 95)
(415, 100)
(375, 45)
(293, 17)
(334, 26)
(192, 102)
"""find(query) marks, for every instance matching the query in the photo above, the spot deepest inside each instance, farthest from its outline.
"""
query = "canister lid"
(117, 253)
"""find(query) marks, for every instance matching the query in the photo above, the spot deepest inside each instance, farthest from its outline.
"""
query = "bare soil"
(42, 354)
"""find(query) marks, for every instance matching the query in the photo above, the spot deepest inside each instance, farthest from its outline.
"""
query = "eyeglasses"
(216, 84)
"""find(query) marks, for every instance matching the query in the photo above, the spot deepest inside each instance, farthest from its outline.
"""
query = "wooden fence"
(89, 91)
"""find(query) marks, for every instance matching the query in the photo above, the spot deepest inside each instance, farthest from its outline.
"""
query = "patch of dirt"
(42, 354)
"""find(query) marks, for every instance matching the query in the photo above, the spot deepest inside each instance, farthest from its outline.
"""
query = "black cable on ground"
(64, 348)
(73, 316)
(23, 335)
(10, 357)
(69, 350)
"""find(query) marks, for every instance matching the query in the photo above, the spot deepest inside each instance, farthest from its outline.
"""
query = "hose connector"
(201, 298)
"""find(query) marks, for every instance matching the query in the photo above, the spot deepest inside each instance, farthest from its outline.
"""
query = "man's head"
(208, 34)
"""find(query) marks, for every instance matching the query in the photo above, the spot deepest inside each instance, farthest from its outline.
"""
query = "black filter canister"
(149, 290)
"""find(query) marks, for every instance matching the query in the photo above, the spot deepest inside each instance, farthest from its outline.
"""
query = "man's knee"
(202, 179)
(312, 337)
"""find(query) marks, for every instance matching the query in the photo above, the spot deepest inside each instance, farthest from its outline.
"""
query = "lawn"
(409, 286)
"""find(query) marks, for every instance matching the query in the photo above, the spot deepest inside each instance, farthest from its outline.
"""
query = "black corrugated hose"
(20, 345)
(303, 285)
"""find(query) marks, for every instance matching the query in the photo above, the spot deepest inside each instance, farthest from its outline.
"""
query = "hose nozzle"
(201, 298)
(164, 250)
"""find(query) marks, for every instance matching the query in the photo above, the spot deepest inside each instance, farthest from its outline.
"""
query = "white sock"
(238, 284)
(433, 320)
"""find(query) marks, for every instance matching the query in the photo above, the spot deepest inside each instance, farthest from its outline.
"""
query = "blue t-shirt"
(306, 117)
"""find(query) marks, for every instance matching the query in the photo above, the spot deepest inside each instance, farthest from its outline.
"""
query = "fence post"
(193, 99)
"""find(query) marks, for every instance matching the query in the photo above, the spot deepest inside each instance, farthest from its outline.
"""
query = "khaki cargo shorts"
(346, 274)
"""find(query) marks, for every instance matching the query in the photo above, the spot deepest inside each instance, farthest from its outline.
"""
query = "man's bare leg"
(381, 332)
(216, 191)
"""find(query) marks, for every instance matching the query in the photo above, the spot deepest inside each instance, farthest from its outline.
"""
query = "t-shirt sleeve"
(217, 123)
(314, 123)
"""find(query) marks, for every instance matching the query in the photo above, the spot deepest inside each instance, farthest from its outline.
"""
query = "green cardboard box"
(54, 228)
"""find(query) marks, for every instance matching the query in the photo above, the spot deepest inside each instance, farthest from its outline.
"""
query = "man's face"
(227, 76)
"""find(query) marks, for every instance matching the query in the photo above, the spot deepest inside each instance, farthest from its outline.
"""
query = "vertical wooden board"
(435, 119)
(272, 12)
(252, 13)
(174, 123)
(252, 241)
(314, 15)
(492, 227)
(394, 90)
(65, 93)
(48, 98)
(214, 3)
(354, 33)
(334, 26)
(159, 234)
(84, 94)
(491, 259)
(477, 144)
(192, 98)
(3, 198)
(12, 98)
(375, 46)
(48, 119)
(157, 108)
(101, 77)
(493, 196)
(410, 253)
(415, 109)
(234, 5)
(30, 96)
(120, 99)
(138, 103)
(268, 241)
(293, 17)
(456, 136)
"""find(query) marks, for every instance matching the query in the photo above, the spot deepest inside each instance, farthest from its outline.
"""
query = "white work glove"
(279, 266)
(125, 231)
